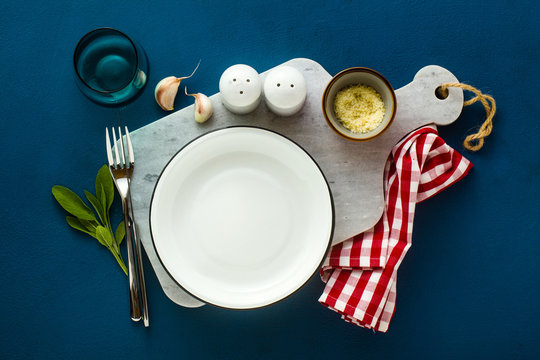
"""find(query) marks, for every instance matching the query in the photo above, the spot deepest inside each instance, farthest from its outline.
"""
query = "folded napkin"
(361, 272)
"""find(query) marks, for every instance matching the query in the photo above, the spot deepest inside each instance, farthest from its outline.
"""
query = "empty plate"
(241, 217)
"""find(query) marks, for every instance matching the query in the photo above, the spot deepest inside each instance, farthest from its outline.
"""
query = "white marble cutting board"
(354, 170)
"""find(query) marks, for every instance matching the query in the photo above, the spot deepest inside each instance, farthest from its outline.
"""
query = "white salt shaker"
(285, 90)
(241, 89)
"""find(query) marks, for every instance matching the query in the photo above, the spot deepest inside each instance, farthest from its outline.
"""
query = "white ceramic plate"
(241, 217)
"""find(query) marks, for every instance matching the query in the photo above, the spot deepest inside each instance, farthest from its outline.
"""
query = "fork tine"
(108, 145)
(121, 142)
(131, 155)
(117, 155)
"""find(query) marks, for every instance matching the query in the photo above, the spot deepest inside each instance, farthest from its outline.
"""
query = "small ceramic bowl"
(353, 76)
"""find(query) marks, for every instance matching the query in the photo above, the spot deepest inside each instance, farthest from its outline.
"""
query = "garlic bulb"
(203, 107)
(166, 90)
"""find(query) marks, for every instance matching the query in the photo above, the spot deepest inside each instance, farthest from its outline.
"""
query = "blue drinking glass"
(111, 69)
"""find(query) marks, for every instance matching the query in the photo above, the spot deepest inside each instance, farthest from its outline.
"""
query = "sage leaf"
(120, 261)
(103, 201)
(104, 236)
(105, 187)
(90, 225)
(97, 205)
(72, 203)
(120, 233)
(81, 225)
(84, 219)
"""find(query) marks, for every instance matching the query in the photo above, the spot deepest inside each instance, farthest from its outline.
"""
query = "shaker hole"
(278, 84)
(233, 79)
(247, 80)
(292, 85)
(241, 92)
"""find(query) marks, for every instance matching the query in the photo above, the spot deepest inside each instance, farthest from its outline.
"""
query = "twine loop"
(474, 142)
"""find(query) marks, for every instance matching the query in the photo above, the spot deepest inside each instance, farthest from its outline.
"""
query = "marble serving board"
(354, 170)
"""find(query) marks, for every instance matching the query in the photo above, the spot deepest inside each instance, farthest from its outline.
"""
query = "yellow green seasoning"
(359, 108)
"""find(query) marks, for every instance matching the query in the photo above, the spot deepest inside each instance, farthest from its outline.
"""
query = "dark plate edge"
(329, 245)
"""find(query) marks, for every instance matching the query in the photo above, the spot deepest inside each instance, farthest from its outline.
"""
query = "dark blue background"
(469, 286)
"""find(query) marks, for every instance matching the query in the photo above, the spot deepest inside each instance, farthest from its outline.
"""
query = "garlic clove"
(165, 92)
(203, 107)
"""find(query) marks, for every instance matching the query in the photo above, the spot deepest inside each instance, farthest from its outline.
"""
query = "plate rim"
(329, 241)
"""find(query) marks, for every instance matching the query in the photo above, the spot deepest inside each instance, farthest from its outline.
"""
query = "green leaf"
(103, 201)
(104, 236)
(105, 187)
(91, 225)
(72, 203)
(120, 233)
(84, 219)
(81, 225)
(96, 204)
(120, 261)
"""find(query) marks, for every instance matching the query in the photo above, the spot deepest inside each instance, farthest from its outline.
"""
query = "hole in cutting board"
(441, 93)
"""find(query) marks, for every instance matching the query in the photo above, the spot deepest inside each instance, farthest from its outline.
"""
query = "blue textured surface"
(469, 286)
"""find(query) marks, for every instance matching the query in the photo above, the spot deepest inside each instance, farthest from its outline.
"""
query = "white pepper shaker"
(241, 88)
(285, 90)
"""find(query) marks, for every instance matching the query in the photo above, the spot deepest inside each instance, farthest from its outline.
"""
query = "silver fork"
(138, 250)
(121, 171)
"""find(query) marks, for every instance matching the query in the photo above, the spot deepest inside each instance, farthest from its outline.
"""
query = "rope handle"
(474, 142)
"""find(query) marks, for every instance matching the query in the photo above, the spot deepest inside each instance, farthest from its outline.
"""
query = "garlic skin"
(203, 107)
(165, 92)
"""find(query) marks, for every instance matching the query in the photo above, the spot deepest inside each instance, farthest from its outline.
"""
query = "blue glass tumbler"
(111, 69)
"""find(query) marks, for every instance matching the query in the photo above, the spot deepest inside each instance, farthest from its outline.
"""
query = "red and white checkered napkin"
(361, 272)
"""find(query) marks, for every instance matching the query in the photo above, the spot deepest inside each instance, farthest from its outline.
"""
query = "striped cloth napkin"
(361, 272)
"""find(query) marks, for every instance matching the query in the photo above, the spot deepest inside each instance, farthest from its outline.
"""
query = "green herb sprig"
(84, 218)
